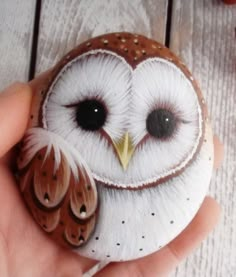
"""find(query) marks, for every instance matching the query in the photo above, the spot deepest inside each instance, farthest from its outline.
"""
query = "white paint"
(168, 201)
(129, 95)
(146, 219)
(109, 78)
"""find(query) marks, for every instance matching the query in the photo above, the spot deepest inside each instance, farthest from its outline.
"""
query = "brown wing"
(63, 204)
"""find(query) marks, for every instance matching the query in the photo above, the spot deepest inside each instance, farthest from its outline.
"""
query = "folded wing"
(58, 187)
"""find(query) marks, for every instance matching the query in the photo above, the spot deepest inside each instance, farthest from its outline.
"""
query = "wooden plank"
(203, 34)
(66, 23)
(16, 29)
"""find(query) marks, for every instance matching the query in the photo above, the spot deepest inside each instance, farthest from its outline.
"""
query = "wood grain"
(66, 23)
(16, 29)
(203, 34)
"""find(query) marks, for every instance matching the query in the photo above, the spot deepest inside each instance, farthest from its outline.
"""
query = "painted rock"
(118, 154)
(230, 2)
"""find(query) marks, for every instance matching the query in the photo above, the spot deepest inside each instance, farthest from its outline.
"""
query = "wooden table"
(36, 34)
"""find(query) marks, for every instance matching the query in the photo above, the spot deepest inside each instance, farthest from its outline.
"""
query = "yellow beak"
(124, 149)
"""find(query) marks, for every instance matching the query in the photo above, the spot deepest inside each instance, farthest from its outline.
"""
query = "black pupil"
(91, 115)
(161, 123)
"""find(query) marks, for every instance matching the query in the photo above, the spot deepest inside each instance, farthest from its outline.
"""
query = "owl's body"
(136, 223)
(119, 154)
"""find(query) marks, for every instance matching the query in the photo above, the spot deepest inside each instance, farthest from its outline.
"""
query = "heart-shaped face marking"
(125, 114)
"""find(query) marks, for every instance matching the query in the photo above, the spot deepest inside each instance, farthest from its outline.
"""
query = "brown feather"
(77, 234)
(50, 186)
(61, 204)
(82, 196)
(47, 220)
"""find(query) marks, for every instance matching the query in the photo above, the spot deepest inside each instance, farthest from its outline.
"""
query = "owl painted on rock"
(118, 155)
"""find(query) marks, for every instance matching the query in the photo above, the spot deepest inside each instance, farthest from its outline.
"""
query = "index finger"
(15, 103)
(15, 107)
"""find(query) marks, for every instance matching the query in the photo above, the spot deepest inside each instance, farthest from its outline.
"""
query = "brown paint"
(229, 2)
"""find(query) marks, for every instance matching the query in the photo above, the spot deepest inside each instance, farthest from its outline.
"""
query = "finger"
(71, 264)
(218, 152)
(165, 260)
(21, 93)
(87, 264)
(40, 80)
(15, 104)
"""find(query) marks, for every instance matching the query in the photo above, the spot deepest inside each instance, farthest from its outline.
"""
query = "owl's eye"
(161, 123)
(91, 115)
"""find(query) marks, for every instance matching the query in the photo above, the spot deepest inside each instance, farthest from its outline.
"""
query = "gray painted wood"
(16, 29)
(66, 23)
(203, 34)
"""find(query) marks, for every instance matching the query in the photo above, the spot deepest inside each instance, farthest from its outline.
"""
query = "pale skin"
(25, 250)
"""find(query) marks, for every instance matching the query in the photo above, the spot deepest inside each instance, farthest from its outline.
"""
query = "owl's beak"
(124, 149)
